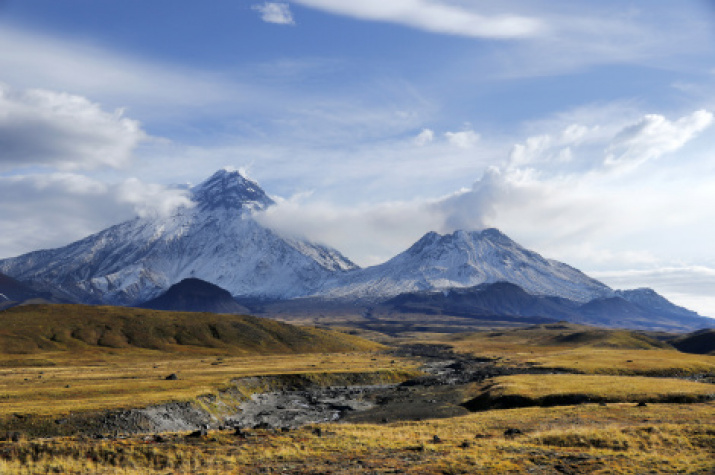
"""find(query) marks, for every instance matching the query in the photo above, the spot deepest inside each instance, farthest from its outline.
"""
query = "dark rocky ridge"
(638, 309)
(700, 342)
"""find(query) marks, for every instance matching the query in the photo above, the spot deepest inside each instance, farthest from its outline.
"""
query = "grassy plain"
(57, 360)
(136, 380)
(78, 371)
(583, 349)
(561, 389)
(618, 438)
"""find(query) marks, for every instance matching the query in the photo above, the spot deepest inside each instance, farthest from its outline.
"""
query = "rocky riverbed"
(438, 393)
(290, 401)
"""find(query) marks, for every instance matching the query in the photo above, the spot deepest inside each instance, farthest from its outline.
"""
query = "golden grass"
(131, 379)
(559, 387)
(583, 439)
(586, 438)
(626, 362)
(582, 349)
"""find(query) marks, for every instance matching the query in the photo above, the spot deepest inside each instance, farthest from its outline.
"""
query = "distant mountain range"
(632, 308)
(217, 240)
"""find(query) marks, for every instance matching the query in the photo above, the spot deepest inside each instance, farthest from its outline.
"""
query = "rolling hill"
(77, 328)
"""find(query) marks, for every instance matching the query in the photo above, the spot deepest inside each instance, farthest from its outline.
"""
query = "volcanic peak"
(230, 190)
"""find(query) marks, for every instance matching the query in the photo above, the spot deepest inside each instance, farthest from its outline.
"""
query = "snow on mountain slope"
(217, 240)
(465, 259)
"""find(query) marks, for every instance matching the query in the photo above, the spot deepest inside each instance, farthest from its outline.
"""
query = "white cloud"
(581, 212)
(275, 12)
(367, 233)
(40, 127)
(465, 139)
(59, 208)
(151, 199)
(654, 136)
(436, 16)
(424, 137)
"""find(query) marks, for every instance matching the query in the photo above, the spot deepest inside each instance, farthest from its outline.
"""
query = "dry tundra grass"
(618, 438)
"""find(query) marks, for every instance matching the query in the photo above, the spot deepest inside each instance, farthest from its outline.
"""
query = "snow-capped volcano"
(465, 259)
(216, 240)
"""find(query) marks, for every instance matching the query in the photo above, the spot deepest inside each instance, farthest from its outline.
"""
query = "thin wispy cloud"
(435, 16)
(34, 60)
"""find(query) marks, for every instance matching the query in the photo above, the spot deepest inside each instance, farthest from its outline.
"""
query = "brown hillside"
(41, 328)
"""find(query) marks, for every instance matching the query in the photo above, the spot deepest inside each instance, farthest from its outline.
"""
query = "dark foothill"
(641, 404)
(465, 445)
(172, 377)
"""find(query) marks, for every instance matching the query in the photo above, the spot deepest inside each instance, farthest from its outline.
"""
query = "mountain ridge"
(219, 241)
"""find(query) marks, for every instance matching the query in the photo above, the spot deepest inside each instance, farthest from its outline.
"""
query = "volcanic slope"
(216, 240)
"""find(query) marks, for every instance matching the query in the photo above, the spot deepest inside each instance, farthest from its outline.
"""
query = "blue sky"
(584, 130)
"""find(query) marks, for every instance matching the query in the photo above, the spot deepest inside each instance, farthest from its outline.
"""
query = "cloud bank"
(574, 184)
(41, 127)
